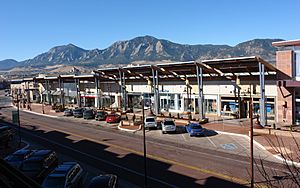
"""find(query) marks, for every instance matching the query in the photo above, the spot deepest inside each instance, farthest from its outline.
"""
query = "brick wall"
(285, 96)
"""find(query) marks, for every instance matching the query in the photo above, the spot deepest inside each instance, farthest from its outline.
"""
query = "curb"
(36, 113)
(128, 130)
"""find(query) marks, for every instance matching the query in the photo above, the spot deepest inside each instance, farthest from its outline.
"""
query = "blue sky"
(31, 27)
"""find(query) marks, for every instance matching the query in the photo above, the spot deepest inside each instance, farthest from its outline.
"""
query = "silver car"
(168, 125)
(150, 122)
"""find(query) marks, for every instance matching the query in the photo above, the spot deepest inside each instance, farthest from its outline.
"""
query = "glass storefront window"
(297, 63)
(210, 106)
(228, 106)
(167, 101)
(189, 105)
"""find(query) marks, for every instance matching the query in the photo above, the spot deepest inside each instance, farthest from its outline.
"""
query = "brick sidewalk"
(47, 109)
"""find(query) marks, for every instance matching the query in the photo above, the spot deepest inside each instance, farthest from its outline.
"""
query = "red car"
(113, 118)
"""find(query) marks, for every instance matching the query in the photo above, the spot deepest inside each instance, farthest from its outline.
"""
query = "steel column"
(97, 93)
(48, 93)
(154, 91)
(262, 109)
(78, 92)
(158, 97)
(60, 95)
(123, 90)
(200, 91)
(63, 93)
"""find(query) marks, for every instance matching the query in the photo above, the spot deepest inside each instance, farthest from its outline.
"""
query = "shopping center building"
(214, 88)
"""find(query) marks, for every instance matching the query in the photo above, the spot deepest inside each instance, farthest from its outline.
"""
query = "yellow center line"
(227, 177)
(217, 174)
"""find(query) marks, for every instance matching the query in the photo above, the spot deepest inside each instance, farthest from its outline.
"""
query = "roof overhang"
(287, 43)
(288, 83)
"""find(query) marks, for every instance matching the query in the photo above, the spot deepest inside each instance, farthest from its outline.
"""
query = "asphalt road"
(169, 164)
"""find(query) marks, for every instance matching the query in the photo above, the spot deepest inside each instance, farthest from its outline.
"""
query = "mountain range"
(144, 48)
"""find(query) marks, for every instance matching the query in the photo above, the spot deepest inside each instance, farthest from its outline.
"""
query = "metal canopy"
(219, 69)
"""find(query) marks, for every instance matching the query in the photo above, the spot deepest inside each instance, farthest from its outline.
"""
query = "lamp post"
(251, 139)
(19, 125)
(144, 142)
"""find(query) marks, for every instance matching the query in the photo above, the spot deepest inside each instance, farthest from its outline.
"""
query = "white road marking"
(184, 137)
(211, 142)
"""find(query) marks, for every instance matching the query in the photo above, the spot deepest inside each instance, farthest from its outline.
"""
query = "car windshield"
(169, 123)
(150, 120)
(54, 182)
(31, 166)
(100, 113)
(196, 127)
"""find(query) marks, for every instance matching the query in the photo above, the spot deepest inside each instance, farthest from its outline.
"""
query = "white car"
(168, 125)
(150, 122)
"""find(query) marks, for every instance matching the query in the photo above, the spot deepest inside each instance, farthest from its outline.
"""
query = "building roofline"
(287, 43)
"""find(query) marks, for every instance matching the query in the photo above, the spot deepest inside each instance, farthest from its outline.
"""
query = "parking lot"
(219, 141)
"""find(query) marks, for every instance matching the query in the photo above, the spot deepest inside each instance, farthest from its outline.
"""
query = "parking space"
(229, 143)
(233, 144)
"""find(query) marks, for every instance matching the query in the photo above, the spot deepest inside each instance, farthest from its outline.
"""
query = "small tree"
(289, 176)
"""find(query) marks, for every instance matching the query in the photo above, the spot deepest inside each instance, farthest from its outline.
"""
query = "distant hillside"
(144, 48)
(8, 64)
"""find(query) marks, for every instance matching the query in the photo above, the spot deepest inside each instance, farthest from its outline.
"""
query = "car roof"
(168, 119)
(22, 152)
(3, 127)
(34, 159)
(41, 152)
(63, 169)
(150, 117)
(113, 114)
(194, 124)
(101, 180)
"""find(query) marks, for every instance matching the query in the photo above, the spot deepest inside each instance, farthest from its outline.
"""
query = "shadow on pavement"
(128, 166)
(216, 182)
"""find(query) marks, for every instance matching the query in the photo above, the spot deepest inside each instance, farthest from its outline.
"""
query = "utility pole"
(144, 138)
(251, 140)
(19, 125)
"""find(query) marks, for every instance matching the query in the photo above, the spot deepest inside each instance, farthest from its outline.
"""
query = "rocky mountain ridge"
(145, 48)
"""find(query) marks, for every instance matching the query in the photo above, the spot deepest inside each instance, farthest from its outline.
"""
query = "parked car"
(6, 134)
(68, 112)
(150, 121)
(168, 125)
(101, 115)
(39, 164)
(17, 158)
(78, 112)
(66, 175)
(195, 129)
(88, 114)
(105, 181)
(113, 118)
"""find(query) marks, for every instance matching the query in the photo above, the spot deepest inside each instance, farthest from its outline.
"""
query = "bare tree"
(289, 175)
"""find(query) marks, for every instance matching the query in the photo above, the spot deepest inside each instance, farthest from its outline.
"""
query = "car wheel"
(163, 132)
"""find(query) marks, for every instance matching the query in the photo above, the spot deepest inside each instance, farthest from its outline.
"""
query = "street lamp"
(144, 141)
(19, 125)
(251, 138)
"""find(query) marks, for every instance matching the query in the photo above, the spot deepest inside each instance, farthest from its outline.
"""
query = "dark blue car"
(195, 129)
